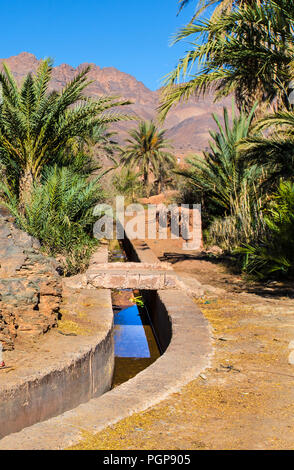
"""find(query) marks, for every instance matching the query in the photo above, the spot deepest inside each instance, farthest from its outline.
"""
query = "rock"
(291, 344)
(215, 250)
(30, 287)
(76, 282)
(291, 358)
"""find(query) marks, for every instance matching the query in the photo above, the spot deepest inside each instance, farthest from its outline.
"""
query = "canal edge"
(188, 354)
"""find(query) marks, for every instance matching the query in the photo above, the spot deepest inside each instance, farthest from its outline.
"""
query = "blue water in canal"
(135, 345)
(129, 334)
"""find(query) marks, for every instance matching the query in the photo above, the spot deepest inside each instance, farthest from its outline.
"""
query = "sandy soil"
(246, 399)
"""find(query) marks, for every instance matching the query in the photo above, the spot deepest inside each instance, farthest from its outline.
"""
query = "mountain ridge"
(187, 124)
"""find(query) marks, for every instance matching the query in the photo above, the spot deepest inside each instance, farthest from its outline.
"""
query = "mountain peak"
(24, 55)
(188, 123)
(87, 64)
(22, 63)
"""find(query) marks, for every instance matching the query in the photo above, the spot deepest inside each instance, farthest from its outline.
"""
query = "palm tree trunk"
(145, 181)
(159, 187)
(160, 181)
(25, 189)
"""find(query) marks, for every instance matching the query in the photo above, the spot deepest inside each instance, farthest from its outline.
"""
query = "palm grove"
(244, 49)
(47, 176)
(51, 145)
(240, 48)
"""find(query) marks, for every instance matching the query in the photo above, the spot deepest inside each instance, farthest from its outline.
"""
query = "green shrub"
(228, 188)
(219, 175)
(245, 224)
(274, 253)
(60, 214)
(128, 183)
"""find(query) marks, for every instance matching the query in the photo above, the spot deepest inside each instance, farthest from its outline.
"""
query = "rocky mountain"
(187, 124)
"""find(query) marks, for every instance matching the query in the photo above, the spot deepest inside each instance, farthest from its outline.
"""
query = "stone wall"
(30, 287)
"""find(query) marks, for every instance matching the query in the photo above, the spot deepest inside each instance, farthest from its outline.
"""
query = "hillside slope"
(187, 124)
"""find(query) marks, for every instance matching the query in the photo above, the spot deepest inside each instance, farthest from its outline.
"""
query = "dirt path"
(246, 399)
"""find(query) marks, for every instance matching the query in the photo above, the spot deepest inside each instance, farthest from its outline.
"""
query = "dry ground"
(246, 399)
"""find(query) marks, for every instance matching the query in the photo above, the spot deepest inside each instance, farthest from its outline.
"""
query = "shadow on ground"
(233, 280)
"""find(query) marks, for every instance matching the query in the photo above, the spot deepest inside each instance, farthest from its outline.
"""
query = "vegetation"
(246, 180)
(147, 152)
(220, 6)
(99, 143)
(128, 183)
(219, 174)
(51, 143)
(36, 124)
(271, 146)
(230, 190)
(274, 253)
(245, 49)
(60, 214)
(47, 163)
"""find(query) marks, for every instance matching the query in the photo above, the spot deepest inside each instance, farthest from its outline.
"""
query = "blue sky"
(131, 35)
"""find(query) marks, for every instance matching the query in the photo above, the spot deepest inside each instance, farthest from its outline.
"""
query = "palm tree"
(99, 144)
(272, 147)
(126, 183)
(219, 175)
(36, 125)
(60, 212)
(147, 150)
(231, 191)
(247, 50)
(273, 253)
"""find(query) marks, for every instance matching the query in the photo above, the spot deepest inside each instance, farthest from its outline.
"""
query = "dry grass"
(245, 401)
(70, 327)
